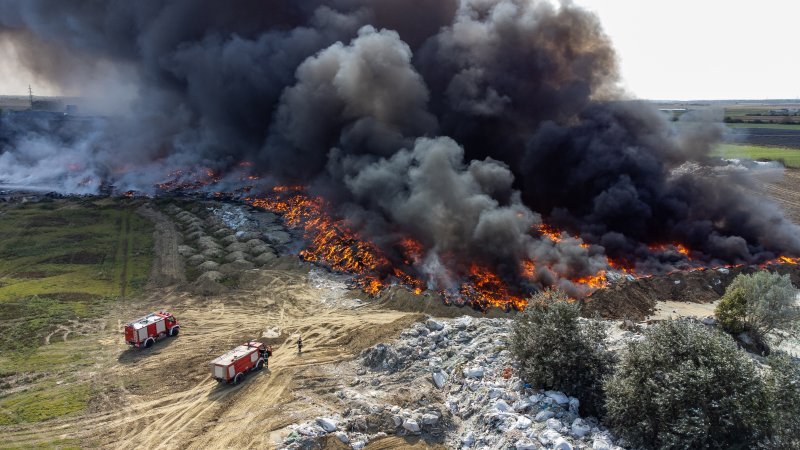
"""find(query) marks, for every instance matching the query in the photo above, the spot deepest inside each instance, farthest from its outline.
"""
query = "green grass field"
(790, 157)
(72, 249)
(63, 259)
(64, 264)
(744, 110)
(46, 401)
(49, 381)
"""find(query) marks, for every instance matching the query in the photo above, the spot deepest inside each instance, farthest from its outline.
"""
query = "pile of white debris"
(451, 382)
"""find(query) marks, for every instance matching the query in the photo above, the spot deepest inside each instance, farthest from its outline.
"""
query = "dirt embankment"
(636, 300)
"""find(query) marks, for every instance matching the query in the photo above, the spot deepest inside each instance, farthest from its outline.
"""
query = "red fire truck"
(143, 332)
(232, 366)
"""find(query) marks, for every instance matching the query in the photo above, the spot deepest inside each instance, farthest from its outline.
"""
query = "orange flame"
(337, 244)
(528, 269)
(333, 243)
(672, 246)
(552, 233)
(188, 180)
(487, 290)
(621, 266)
(595, 281)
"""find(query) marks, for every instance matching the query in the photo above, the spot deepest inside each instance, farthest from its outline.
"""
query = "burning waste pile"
(452, 382)
(479, 149)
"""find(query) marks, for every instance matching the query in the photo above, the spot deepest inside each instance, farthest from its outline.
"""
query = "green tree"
(783, 386)
(556, 350)
(760, 303)
(684, 386)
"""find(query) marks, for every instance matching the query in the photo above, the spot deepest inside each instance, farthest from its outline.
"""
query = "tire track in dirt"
(204, 414)
(125, 232)
(167, 266)
(164, 397)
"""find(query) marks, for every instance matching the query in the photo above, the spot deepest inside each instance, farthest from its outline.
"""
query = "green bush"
(557, 351)
(783, 385)
(760, 304)
(684, 386)
(731, 310)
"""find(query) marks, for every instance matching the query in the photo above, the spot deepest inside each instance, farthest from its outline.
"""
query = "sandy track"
(167, 265)
(165, 397)
(205, 414)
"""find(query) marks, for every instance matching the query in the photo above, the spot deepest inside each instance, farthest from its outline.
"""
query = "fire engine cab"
(143, 332)
(232, 366)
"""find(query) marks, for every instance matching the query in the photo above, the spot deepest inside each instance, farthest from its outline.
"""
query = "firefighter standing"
(266, 353)
(299, 345)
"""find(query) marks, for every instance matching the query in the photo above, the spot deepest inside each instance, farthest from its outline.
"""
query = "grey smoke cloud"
(463, 123)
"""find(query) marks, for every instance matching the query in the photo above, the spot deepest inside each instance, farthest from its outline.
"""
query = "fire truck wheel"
(174, 331)
(149, 343)
(259, 364)
(238, 378)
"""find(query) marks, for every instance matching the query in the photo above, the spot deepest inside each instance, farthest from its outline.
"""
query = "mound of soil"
(401, 299)
(636, 300)
(208, 265)
(208, 284)
(264, 258)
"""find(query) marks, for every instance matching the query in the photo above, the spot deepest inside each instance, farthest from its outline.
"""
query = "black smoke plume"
(462, 123)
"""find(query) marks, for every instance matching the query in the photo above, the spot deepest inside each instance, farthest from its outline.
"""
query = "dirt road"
(165, 397)
(167, 266)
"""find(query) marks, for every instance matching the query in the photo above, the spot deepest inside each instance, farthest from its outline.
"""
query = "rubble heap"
(455, 383)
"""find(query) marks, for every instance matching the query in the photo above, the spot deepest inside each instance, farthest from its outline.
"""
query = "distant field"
(759, 114)
(790, 157)
(772, 126)
(64, 259)
(761, 134)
